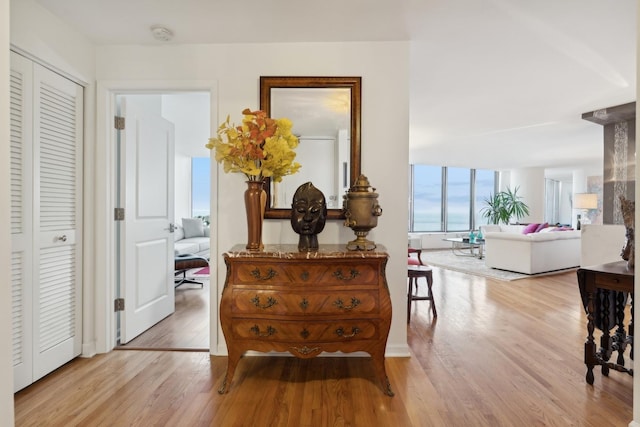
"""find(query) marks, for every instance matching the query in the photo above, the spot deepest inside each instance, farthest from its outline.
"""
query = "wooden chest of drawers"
(306, 303)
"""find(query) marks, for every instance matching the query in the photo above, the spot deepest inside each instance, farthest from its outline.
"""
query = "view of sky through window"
(200, 186)
(429, 207)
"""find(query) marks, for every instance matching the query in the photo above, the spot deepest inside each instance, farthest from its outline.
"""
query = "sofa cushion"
(512, 228)
(193, 245)
(183, 247)
(178, 234)
(193, 227)
(531, 228)
(489, 228)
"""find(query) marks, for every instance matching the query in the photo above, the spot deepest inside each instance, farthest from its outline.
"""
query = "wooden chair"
(414, 273)
(413, 260)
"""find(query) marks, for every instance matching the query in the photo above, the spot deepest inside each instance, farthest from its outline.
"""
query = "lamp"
(584, 201)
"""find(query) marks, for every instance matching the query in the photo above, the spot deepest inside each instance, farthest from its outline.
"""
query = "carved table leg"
(589, 345)
(605, 339)
(377, 356)
(621, 335)
(232, 362)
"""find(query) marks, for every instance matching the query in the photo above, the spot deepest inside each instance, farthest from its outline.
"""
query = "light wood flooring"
(499, 354)
(187, 328)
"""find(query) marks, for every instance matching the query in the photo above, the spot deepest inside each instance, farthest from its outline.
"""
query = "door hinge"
(118, 122)
(118, 304)
(118, 214)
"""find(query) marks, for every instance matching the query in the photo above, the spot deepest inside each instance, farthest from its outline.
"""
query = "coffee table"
(463, 247)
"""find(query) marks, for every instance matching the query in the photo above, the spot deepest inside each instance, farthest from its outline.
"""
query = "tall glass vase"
(254, 202)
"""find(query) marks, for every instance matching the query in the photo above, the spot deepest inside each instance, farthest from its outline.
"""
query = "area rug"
(472, 265)
(202, 272)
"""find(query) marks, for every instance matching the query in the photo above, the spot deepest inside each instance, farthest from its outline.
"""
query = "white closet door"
(57, 215)
(46, 219)
(21, 136)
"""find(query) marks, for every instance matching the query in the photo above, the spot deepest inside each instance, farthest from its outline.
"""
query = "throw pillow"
(531, 228)
(541, 226)
(193, 227)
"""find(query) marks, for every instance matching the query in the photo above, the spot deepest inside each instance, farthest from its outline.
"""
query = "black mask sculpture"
(308, 215)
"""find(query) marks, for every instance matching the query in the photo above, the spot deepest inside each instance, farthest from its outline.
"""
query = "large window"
(426, 200)
(200, 186)
(448, 199)
(458, 206)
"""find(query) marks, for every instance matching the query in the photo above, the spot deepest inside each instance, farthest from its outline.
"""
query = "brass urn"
(361, 210)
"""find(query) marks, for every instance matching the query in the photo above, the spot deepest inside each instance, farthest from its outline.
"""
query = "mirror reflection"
(321, 119)
(325, 112)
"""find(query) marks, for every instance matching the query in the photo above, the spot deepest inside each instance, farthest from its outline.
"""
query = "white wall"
(385, 122)
(191, 114)
(6, 353)
(530, 185)
(182, 193)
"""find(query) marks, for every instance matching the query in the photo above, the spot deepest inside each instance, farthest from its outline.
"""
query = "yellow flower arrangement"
(260, 148)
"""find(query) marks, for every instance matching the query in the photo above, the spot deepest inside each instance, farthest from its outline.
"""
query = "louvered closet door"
(46, 219)
(21, 137)
(57, 220)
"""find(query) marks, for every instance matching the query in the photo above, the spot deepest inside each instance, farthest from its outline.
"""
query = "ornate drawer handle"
(338, 273)
(270, 274)
(354, 331)
(270, 302)
(340, 304)
(256, 330)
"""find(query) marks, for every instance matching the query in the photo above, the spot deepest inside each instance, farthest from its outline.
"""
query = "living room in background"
(446, 199)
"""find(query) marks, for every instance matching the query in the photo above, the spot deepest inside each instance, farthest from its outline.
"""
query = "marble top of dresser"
(290, 251)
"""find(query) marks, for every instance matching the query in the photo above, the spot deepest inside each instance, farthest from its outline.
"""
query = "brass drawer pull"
(257, 275)
(270, 302)
(256, 330)
(353, 274)
(340, 304)
(354, 331)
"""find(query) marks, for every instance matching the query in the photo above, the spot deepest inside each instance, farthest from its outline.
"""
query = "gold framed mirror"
(325, 112)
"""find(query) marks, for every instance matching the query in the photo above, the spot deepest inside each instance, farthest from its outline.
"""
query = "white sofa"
(192, 238)
(507, 248)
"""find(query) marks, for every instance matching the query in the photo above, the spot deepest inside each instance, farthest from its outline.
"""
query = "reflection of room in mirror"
(321, 118)
(322, 165)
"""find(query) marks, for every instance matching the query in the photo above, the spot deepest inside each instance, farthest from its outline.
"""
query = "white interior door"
(146, 252)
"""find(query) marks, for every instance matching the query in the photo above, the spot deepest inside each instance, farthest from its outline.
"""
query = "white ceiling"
(494, 83)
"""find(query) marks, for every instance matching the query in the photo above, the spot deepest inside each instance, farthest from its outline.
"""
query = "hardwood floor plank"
(498, 354)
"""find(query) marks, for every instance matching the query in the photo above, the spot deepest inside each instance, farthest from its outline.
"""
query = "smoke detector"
(161, 33)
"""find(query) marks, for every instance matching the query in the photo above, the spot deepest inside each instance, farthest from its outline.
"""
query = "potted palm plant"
(503, 206)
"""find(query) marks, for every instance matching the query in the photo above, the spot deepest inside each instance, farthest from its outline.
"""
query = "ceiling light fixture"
(161, 33)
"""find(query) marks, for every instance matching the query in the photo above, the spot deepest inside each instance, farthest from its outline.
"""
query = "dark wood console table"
(603, 288)
(306, 303)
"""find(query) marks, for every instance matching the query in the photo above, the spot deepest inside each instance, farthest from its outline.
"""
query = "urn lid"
(362, 185)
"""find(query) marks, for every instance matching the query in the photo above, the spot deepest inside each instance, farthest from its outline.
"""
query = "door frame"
(104, 319)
